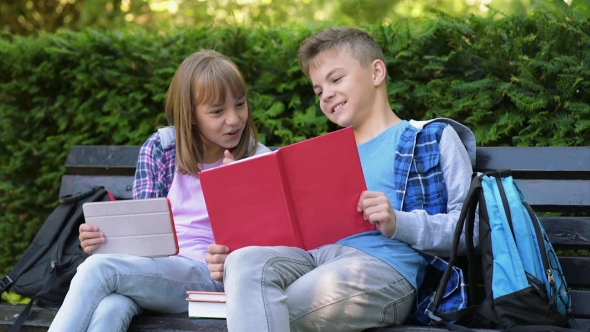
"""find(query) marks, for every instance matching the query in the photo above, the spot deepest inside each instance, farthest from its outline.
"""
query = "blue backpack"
(522, 277)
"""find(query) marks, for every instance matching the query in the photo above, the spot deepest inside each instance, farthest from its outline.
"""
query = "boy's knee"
(245, 258)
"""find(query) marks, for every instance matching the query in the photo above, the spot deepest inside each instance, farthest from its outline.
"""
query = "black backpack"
(48, 265)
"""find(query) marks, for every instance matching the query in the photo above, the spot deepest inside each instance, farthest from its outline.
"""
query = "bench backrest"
(553, 179)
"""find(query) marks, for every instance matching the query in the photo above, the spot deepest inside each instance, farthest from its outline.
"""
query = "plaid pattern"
(421, 186)
(418, 175)
(155, 169)
(455, 297)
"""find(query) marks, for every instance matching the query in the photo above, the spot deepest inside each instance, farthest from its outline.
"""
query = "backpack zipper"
(544, 260)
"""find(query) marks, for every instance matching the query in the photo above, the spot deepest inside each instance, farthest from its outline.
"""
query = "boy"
(417, 173)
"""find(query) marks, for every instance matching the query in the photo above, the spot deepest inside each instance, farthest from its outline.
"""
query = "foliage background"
(515, 80)
(39, 16)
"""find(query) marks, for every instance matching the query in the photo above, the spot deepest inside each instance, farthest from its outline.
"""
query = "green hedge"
(521, 80)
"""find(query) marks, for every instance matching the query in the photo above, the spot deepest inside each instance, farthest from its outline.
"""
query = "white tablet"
(142, 227)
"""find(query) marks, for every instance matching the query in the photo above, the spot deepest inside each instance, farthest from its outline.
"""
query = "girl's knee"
(96, 263)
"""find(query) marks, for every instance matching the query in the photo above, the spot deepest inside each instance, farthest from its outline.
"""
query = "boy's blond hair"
(204, 77)
(360, 45)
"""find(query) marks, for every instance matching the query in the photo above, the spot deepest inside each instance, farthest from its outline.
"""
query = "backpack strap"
(473, 197)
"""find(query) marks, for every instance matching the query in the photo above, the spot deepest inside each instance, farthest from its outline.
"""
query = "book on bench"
(302, 195)
(206, 304)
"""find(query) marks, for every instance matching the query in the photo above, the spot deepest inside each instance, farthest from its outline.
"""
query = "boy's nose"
(327, 95)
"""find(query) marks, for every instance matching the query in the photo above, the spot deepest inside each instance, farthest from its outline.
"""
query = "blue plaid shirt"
(419, 180)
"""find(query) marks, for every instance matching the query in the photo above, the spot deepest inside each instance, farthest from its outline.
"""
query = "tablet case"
(142, 227)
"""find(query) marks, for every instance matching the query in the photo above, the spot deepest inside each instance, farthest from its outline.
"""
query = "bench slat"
(537, 162)
(120, 186)
(526, 162)
(576, 271)
(580, 303)
(556, 195)
(568, 232)
(102, 159)
(40, 319)
(536, 191)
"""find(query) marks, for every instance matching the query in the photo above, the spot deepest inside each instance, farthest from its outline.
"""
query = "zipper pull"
(550, 276)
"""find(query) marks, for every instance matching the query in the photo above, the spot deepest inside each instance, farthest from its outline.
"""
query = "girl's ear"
(379, 72)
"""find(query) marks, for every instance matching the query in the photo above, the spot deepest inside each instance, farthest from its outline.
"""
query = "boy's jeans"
(108, 290)
(332, 288)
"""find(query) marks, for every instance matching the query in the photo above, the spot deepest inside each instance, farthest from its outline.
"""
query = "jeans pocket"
(396, 311)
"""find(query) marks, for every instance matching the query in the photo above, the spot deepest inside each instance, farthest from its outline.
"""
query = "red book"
(302, 195)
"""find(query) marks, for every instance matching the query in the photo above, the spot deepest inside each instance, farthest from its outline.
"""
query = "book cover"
(139, 227)
(206, 304)
(303, 195)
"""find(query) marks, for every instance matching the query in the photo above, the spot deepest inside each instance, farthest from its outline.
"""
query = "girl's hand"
(377, 210)
(90, 237)
(228, 157)
(216, 255)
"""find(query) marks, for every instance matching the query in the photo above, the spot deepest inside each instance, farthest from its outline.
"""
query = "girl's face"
(221, 125)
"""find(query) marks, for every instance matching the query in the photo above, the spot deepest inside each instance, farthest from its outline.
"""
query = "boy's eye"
(337, 79)
(319, 93)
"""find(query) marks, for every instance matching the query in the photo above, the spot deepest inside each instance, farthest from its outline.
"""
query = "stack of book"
(206, 304)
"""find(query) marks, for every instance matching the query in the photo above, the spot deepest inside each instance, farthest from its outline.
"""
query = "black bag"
(47, 267)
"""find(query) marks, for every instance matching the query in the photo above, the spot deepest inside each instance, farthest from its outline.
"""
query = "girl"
(206, 104)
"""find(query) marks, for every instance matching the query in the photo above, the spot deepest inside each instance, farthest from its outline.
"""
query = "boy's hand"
(90, 237)
(228, 157)
(216, 255)
(378, 211)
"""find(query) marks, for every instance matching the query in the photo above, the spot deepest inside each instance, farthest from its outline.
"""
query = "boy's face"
(345, 88)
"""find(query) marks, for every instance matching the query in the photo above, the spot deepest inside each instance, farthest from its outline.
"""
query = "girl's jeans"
(108, 290)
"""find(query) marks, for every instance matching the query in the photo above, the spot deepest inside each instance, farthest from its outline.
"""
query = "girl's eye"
(319, 93)
(241, 104)
(216, 112)
(337, 79)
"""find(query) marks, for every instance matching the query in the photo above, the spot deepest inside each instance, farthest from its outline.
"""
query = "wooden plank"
(576, 271)
(120, 186)
(556, 195)
(580, 303)
(40, 320)
(533, 162)
(102, 160)
(568, 232)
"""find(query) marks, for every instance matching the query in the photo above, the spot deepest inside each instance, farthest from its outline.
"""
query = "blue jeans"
(332, 288)
(108, 290)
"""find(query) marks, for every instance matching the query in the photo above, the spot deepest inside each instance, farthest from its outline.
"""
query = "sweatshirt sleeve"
(433, 234)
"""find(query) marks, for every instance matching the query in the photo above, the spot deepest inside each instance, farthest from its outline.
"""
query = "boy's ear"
(379, 72)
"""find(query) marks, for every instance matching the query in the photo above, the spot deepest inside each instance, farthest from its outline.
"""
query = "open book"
(303, 195)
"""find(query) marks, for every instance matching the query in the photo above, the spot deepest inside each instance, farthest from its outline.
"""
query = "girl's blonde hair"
(204, 78)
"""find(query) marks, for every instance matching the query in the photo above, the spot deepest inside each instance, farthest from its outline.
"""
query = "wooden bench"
(553, 179)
